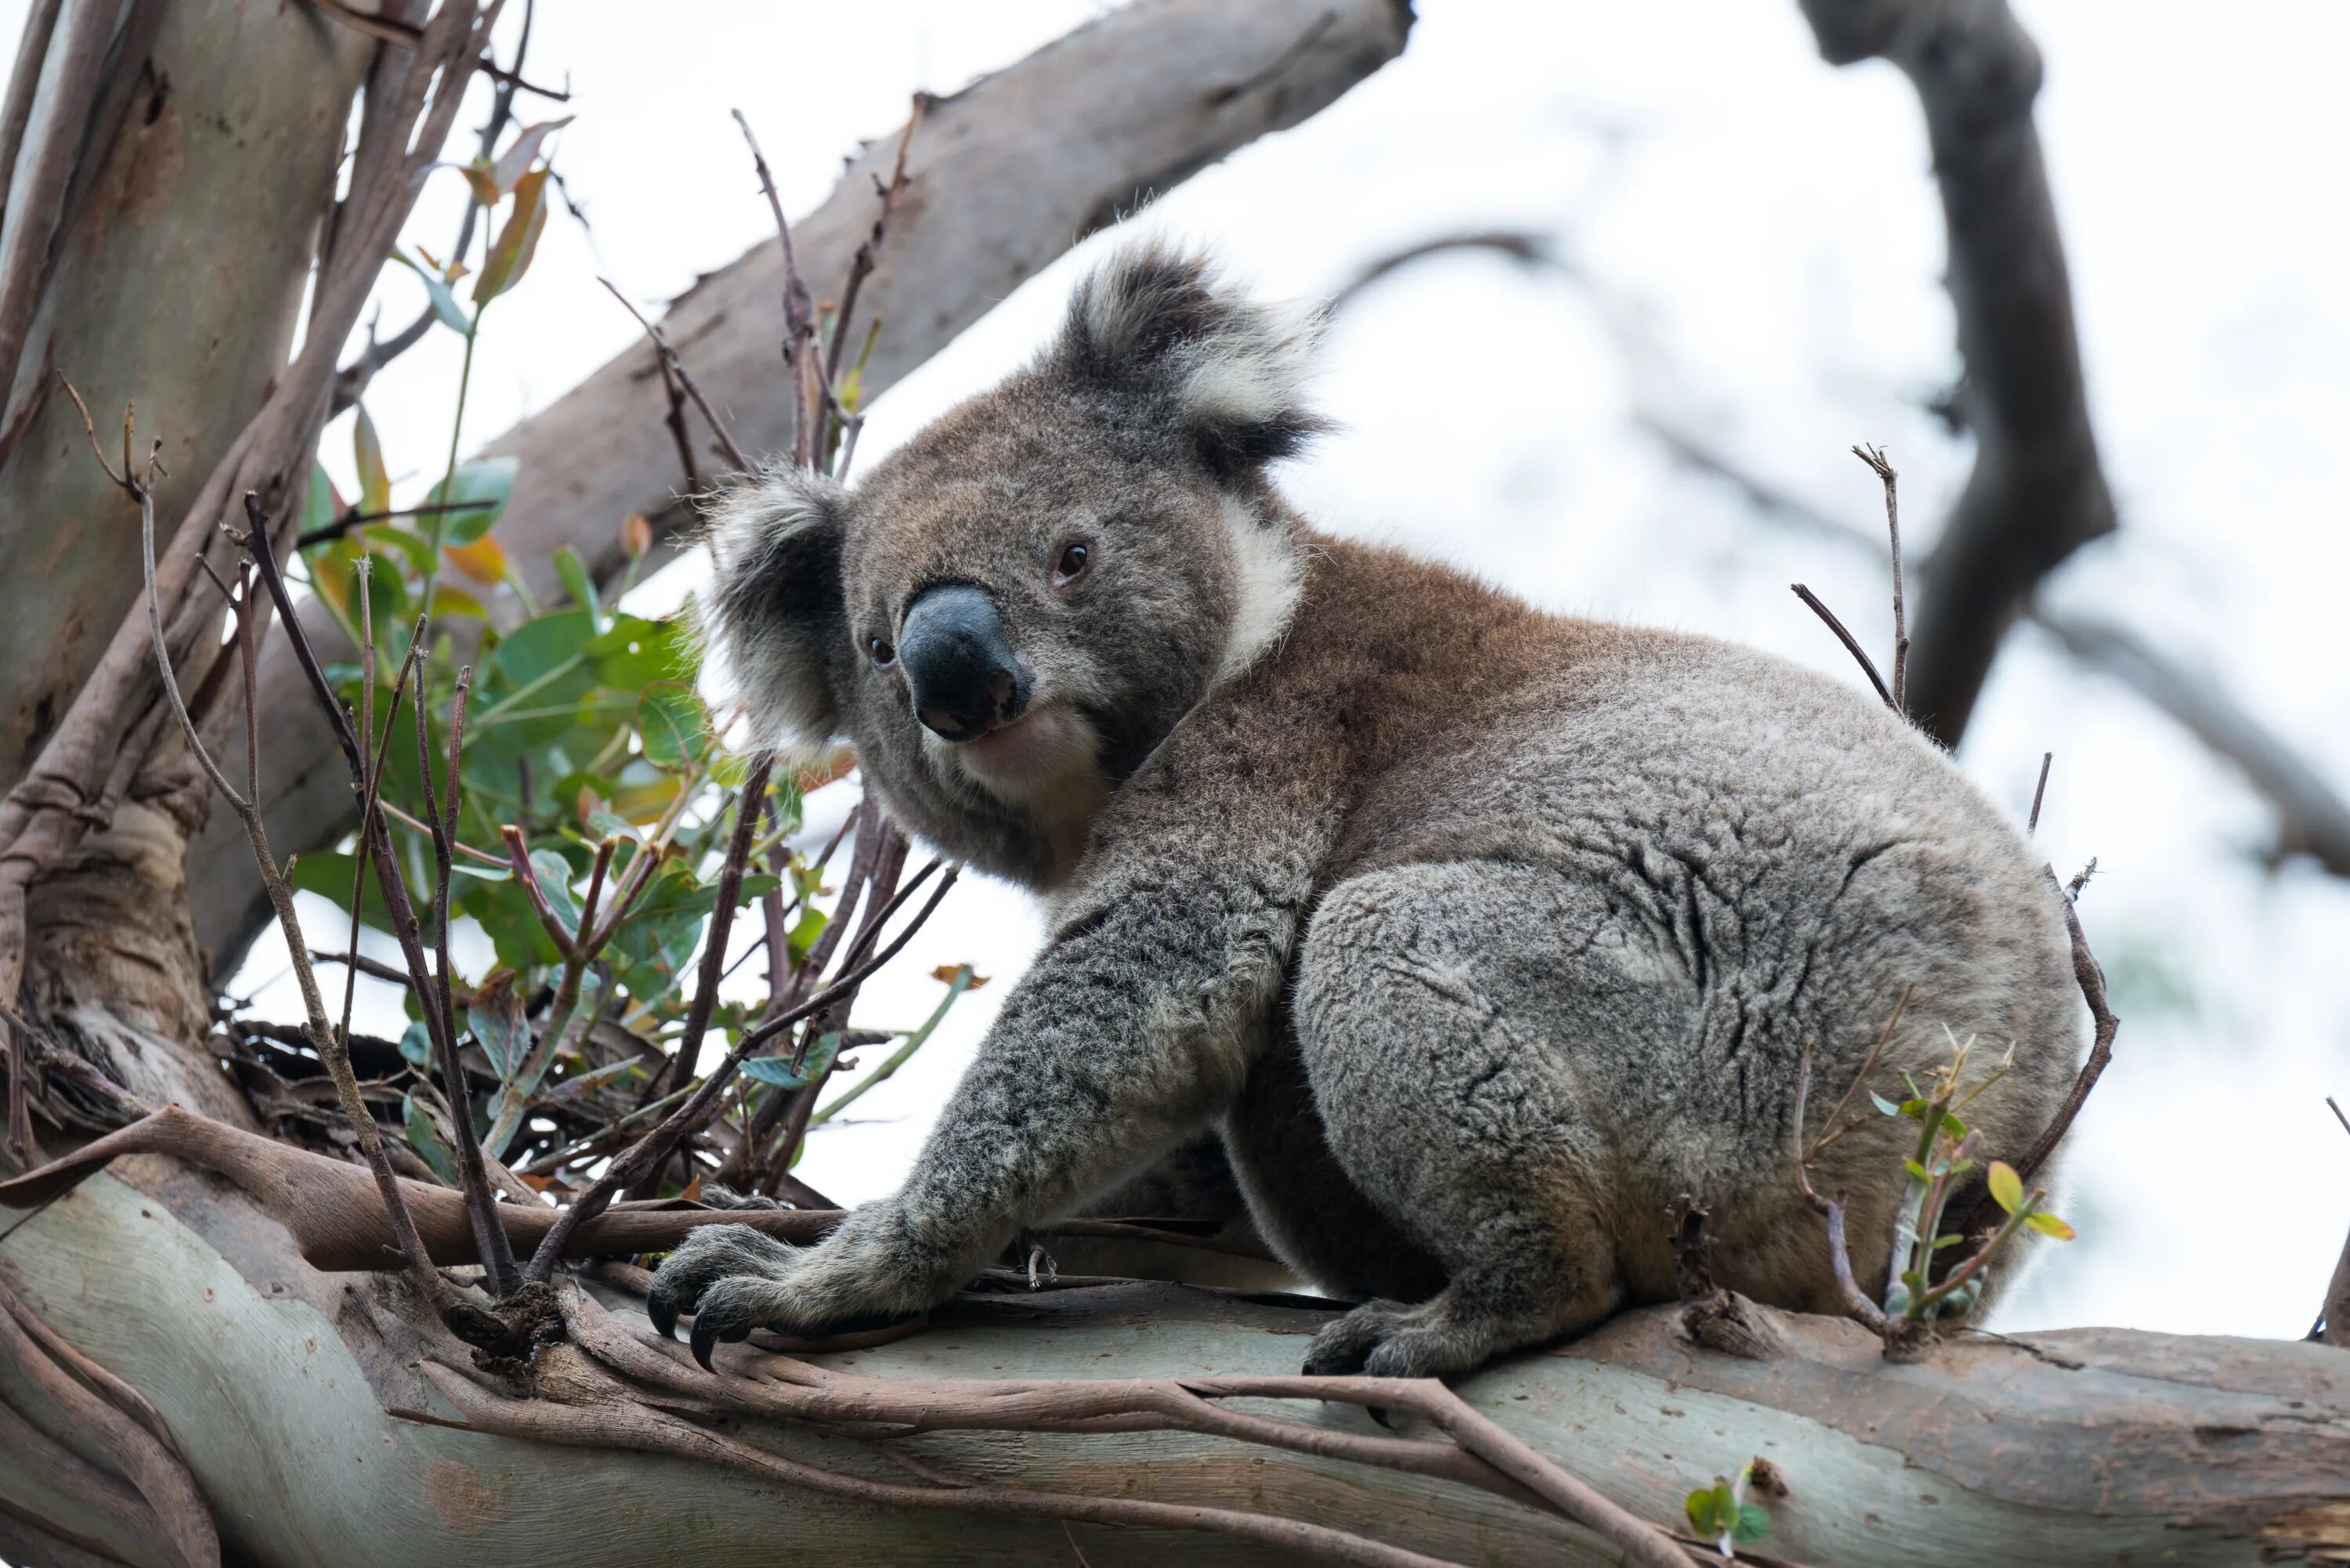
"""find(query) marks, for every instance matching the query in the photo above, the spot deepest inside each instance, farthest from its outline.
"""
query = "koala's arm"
(1136, 1025)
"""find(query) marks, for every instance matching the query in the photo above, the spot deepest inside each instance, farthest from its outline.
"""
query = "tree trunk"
(206, 154)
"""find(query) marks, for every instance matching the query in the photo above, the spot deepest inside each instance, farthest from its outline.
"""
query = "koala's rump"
(1731, 857)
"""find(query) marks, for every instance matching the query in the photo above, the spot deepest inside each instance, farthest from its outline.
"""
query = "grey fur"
(1477, 934)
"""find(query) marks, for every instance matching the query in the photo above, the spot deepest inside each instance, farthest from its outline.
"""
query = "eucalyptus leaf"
(426, 1140)
(554, 874)
(672, 726)
(445, 304)
(479, 491)
(573, 573)
(495, 1017)
(779, 1071)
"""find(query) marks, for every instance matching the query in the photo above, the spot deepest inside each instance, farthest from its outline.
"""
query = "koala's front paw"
(733, 1279)
(708, 1254)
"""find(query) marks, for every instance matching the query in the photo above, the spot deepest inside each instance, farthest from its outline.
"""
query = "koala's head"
(1013, 610)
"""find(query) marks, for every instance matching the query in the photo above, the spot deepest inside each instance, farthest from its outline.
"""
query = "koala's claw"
(709, 1255)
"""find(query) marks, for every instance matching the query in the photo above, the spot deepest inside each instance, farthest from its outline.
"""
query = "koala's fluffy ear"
(1157, 322)
(775, 609)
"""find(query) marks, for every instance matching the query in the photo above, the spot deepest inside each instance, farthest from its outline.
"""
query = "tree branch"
(2037, 493)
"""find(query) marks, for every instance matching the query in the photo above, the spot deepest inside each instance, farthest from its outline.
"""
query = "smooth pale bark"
(1005, 176)
(2085, 1447)
(176, 282)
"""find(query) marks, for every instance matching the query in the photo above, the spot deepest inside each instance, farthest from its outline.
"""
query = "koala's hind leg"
(1431, 1004)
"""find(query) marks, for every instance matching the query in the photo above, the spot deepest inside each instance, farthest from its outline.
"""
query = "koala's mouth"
(1040, 748)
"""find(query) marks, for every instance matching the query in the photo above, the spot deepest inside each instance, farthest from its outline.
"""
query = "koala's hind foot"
(1460, 1328)
(1439, 1010)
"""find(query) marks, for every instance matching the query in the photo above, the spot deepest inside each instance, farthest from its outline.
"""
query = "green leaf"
(495, 1017)
(778, 1070)
(633, 652)
(1700, 1504)
(573, 572)
(489, 480)
(609, 825)
(1888, 1107)
(504, 912)
(2006, 1187)
(367, 453)
(416, 1045)
(1896, 1301)
(2048, 1225)
(672, 725)
(320, 504)
(445, 304)
(393, 539)
(517, 242)
(508, 170)
(426, 1140)
(554, 881)
(1918, 1170)
(803, 934)
(1752, 1524)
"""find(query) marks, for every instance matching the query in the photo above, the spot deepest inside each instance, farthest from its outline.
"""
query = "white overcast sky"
(1763, 243)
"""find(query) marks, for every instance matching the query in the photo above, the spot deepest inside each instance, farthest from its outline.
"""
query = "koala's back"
(1733, 857)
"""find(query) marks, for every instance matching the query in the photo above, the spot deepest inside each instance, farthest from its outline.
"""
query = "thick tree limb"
(2092, 1446)
(2037, 493)
(1005, 175)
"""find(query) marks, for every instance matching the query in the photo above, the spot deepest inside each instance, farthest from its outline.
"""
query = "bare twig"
(653, 1149)
(497, 1254)
(330, 1044)
(2333, 1317)
(1875, 457)
(2092, 979)
(676, 367)
(1863, 1306)
(1852, 645)
(861, 266)
(749, 801)
(2038, 792)
(1526, 248)
(2037, 492)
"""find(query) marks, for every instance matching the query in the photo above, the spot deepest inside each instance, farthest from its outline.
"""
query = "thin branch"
(1875, 457)
(2091, 978)
(497, 1253)
(861, 266)
(676, 367)
(1863, 1306)
(652, 1151)
(2038, 792)
(1852, 645)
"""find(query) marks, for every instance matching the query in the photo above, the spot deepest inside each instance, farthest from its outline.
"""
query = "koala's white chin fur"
(1047, 763)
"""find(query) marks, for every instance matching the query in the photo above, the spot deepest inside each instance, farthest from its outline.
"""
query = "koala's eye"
(883, 654)
(1071, 565)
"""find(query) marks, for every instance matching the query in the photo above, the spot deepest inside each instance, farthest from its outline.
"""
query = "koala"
(1476, 934)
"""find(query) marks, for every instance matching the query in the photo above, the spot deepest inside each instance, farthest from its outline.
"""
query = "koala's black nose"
(966, 679)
